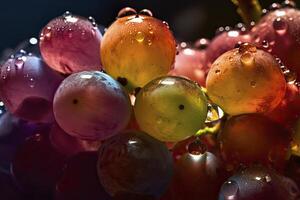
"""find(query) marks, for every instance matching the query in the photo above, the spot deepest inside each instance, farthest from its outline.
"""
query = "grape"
(8, 190)
(71, 43)
(68, 145)
(258, 183)
(79, 179)
(241, 132)
(137, 48)
(224, 42)
(13, 132)
(190, 63)
(91, 105)
(246, 80)
(134, 163)
(288, 111)
(197, 176)
(37, 166)
(171, 108)
(278, 32)
(27, 87)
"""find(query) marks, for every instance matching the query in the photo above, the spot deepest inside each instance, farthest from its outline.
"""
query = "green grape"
(171, 108)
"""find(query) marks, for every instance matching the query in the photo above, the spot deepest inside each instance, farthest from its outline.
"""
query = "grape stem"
(209, 130)
(249, 10)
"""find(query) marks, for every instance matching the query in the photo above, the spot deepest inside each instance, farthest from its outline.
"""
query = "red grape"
(71, 43)
(241, 132)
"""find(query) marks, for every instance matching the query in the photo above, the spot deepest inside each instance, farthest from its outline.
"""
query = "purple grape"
(27, 87)
(92, 106)
(258, 183)
(71, 43)
(80, 180)
(37, 166)
(134, 163)
(13, 132)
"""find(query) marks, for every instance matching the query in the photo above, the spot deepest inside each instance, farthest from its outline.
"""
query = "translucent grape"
(170, 108)
(137, 48)
(246, 80)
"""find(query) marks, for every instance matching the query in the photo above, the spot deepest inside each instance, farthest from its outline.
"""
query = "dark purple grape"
(134, 163)
(258, 183)
(27, 87)
(13, 132)
(91, 105)
(80, 180)
(8, 191)
(37, 166)
(71, 43)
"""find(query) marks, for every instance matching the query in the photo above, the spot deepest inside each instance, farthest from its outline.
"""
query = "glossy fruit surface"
(71, 43)
(91, 105)
(246, 80)
(136, 49)
(134, 163)
(171, 108)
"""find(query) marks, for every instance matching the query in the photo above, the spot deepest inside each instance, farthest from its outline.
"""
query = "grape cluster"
(135, 115)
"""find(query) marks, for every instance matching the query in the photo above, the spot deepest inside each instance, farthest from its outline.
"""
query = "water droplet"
(227, 28)
(252, 24)
(31, 82)
(280, 26)
(229, 190)
(217, 71)
(196, 147)
(67, 13)
(265, 44)
(47, 32)
(84, 35)
(247, 58)
(19, 63)
(139, 37)
(126, 12)
(202, 43)
(146, 12)
(268, 178)
(289, 3)
(290, 76)
(183, 45)
(264, 12)
(274, 6)
(166, 24)
(241, 27)
(149, 42)
(253, 84)
(247, 47)
(68, 33)
(93, 21)
(220, 30)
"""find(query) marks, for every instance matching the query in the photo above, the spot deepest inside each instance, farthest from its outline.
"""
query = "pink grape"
(190, 63)
(27, 87)
(91, 105)
(71, 43)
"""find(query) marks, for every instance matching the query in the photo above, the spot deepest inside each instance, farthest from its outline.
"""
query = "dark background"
(189, 19)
